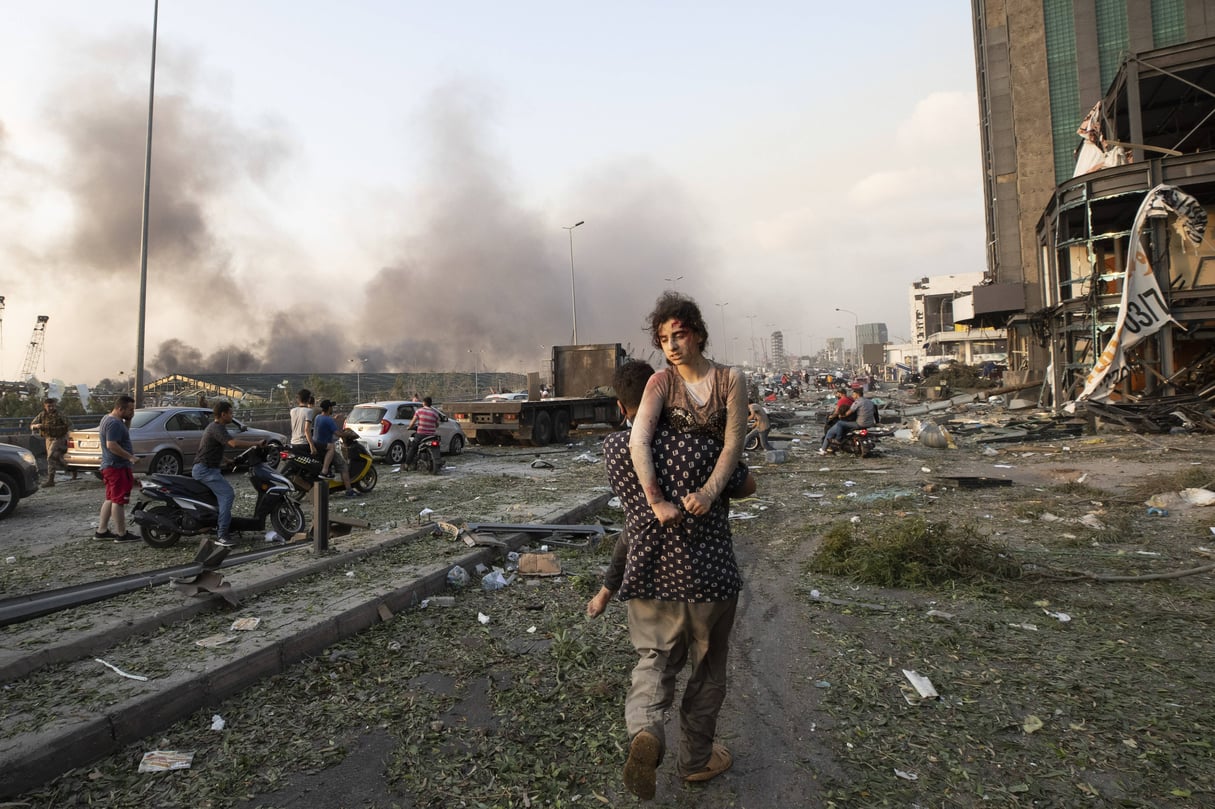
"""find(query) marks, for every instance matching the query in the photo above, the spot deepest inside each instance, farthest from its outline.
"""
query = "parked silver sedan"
(165, 439)
(381, 428)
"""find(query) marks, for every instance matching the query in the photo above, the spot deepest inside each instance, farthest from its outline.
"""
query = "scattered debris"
(119, 671)
(539, 564)
(245, 624)
(212, 641)
(165, 760)
(921, 684)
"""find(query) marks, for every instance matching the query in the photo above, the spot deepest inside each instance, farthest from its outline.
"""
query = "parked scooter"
(171, 506)
(429, 455)
(304, 471)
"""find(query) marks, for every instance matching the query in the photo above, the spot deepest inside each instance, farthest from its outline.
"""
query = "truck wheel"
(165, 462)
(396, 453)
(561, 426)
(542, 429)
(9, 495)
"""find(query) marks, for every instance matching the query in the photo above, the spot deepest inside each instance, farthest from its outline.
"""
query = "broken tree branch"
(1085, 575)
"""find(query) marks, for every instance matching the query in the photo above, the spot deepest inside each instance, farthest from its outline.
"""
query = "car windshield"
(143, 417)
(365, 414)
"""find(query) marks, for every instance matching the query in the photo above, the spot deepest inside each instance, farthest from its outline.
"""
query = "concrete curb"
(49, 754)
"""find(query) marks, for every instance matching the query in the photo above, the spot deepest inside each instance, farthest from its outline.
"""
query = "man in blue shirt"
(324, 429)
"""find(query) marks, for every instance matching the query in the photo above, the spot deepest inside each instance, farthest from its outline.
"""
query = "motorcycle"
(429, 455)
(303, 470)
(862, 441)
(171, 506)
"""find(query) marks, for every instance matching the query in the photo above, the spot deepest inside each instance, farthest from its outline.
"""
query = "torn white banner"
(1143, 310)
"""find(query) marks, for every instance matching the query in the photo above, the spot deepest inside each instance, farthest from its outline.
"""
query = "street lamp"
(573, 296)
(143, 240)
(358, 377)
(476, 378)
(856, 335)
(752, 319)
(721, 307)
(283, 385)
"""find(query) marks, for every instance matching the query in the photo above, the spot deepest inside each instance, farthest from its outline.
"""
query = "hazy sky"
(391, 180)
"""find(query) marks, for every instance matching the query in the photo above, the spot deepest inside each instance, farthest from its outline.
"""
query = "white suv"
(381, 428)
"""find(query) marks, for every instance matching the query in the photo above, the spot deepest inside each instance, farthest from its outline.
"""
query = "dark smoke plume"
(474, 278)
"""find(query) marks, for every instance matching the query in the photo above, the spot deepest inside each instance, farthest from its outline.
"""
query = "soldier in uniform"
(53, 426)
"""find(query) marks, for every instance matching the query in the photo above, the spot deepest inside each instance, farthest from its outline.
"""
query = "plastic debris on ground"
(483, 618)
(272, 536)
(439, 601)
(217, 722)
(457, 577)
(119, 671)
(245, 624)
(165, 760)
(906, 776)
(924, 689)
(426, 512)
(540, 463)
(614, 503)
(496, 580)
(586, 457)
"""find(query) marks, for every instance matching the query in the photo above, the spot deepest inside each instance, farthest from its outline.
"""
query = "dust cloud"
(470, 274)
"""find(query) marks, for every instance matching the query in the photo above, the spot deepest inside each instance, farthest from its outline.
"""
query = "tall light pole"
(143, 243)
(476, 373)
(358, 377)
(856, 336)
(721, 307)
(573, 295)
(752, 319)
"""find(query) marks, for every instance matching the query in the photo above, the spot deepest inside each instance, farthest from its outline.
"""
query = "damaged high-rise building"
(1085, 107)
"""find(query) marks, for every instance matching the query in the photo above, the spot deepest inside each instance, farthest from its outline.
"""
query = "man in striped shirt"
(426, 421)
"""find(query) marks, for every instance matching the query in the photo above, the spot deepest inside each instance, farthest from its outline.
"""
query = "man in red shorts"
(117, 459)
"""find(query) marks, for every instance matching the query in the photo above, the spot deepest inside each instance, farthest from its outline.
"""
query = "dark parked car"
(164, 438)
(18, 477)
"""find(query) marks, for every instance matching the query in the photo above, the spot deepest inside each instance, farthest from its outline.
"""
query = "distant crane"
(34, 353)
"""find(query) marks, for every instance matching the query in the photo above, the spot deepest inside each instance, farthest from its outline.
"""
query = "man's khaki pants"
(667, 635)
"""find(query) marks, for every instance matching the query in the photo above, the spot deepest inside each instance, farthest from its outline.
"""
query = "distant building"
(941, 322)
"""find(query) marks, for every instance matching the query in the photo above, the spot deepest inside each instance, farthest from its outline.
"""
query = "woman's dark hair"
(682, 308)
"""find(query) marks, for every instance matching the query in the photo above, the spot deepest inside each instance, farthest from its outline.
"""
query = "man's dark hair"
(680, 307)
(123, 401)
(629, 382)
(304, 396)
(221, 407)
(326, 405)
(50, 400)
(426, 401)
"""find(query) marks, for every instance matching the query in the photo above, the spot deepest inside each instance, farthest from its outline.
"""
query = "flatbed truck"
(582, 394)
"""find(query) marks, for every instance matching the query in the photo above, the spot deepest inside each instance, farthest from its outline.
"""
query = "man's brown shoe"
(640, 771)
(49, 482)
(719, 761)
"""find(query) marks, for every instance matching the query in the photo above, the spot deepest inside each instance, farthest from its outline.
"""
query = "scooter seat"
(182, 483)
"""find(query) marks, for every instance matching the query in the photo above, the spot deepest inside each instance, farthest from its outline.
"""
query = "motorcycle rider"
(426, 420)
(862, 413)
(209, 460)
